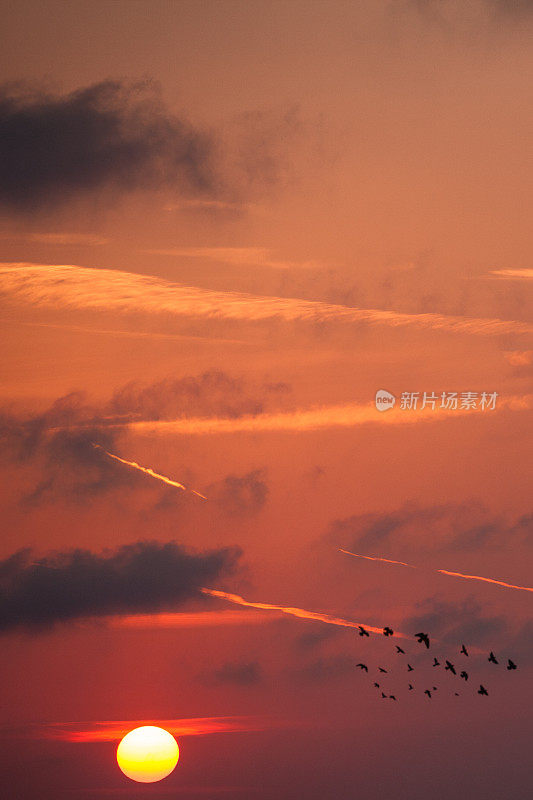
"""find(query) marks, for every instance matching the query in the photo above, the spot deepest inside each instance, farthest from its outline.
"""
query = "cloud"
(246, 673)
(240, 494)
(61, 440)
(70, 286)
(111, 134)
(136, 578)
(467, 527)
(327, 669)
(454, 623)
(513, 274)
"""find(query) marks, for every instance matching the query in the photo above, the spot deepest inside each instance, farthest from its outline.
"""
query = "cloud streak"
(70, 286)
(443, 572)
(150, 472)
(300, 613)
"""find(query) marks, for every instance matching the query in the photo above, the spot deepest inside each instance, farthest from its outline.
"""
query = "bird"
(436, 662)
(362, 666)
(388, 631)
(381, 669)
(511, 664)
(482, 690)
(411, 687)
(464, 651)
(383, 695)
(410, 668)
(362, 631)
(492, 658)
(428, 693)
(391, 697)
(399, 649)
(464, 675)
(423, 638)
(456, 694)
(434, 688)
(450, 667)
(376, 685)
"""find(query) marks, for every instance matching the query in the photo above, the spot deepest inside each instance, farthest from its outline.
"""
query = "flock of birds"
(423, 639)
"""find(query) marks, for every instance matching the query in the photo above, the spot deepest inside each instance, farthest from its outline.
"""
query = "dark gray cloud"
(455, 623)
(142, 577)
(423, 529)
(246, 673)
(60, 440)
(110, 134)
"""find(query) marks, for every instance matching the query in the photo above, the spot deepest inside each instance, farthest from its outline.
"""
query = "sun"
(147, 754)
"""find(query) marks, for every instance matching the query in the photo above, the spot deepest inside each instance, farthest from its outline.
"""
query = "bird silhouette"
(362, 666)
(436, 662)
(456, 694)
(464, 675)
(464, 651)
(391, 697)
(410, 668)
(376, 685)
(362, 631)
(450, 667)
(423, 638)
(411, 687)
(492, 658)
(511, 664)
(388, 631)
(381, 669)
(383, 695)
(428, 693)
(399, 649)
(482, 690)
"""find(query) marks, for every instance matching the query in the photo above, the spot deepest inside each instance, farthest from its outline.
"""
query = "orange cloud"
(194, 620)
(69, 286)
(300, 613)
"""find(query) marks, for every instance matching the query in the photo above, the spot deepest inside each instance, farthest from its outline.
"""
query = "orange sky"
(209, 265)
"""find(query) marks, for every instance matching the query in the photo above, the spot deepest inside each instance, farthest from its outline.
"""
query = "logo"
(384, 400)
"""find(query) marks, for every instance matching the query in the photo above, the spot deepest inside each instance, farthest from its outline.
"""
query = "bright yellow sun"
(147, 754)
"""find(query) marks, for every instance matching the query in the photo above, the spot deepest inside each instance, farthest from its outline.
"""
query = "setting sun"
(147, 754)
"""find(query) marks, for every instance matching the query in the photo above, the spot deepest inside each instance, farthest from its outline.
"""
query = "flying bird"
(391, 697)
(410, 668)
(381, 669)
(492, 658)
(362, 631)
(362, 666)
(511, 664)
(399, 650)
(428, 693)
(456, 694)
(436, 662)
(384, 695)
(482, 690)
(388, 631)
(423, 638)
(411, 687)
(464, 651)
(464, 675)
(450, 667)
(376, 685)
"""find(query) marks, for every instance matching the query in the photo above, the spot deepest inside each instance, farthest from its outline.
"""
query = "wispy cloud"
(150, 472)
(114, 730)
(320, 417)
(300, 613)
(246, 256)
(201, 619)
(70, 286)
(444, 572)
(513, 274)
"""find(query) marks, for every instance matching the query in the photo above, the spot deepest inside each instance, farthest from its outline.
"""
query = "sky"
(224, 227)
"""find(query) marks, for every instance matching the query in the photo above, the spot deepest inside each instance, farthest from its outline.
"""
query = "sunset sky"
(224, 226)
